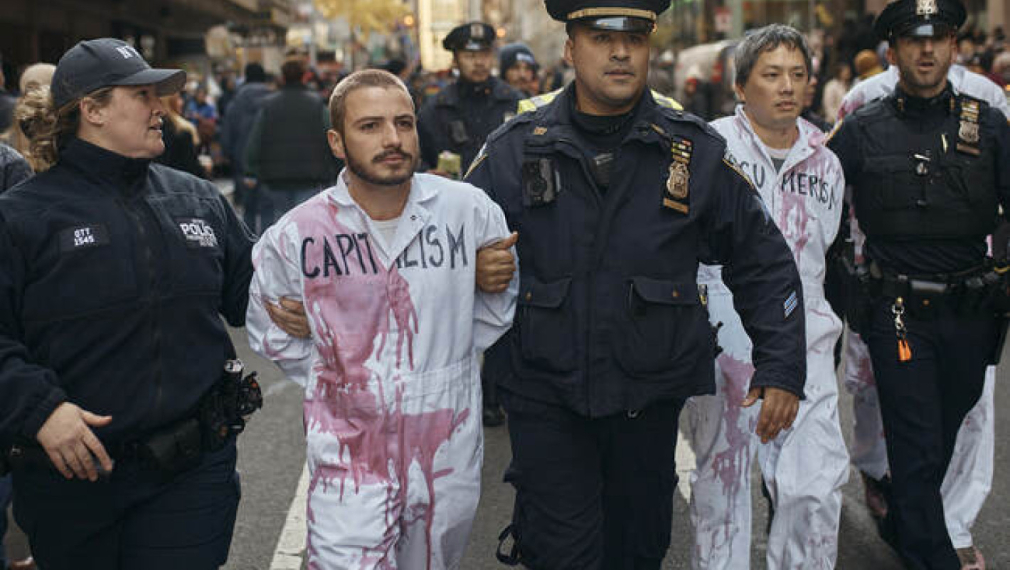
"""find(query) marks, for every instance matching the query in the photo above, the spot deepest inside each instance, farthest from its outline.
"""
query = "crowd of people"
(618, 262)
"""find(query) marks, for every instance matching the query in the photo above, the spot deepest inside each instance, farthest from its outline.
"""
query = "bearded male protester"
(927, 168)
(616, 196)
(801, 183)
(384, 262)
(969, 476)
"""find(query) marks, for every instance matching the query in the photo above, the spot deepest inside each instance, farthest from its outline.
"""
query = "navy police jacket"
(114, 274)
(460, 122)
(610, 317)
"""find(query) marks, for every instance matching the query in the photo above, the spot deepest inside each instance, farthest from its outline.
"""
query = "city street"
(271, 459)
(269, 534)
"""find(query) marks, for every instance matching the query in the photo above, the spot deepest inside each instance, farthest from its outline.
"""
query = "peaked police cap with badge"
(919, 18)
(473, 36)
(609, 15)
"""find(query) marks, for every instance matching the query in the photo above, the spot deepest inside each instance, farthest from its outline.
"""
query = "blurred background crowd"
(232, 46)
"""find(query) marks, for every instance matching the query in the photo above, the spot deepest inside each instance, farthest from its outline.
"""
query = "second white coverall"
(804, 198)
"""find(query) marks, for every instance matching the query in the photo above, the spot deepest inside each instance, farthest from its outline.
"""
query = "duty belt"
(977, 280)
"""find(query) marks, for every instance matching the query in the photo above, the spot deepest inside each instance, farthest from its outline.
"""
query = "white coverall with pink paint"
(969, 476)
(806, 466)
(392, 404)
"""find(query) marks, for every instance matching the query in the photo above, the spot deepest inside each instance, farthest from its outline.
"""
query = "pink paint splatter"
(377, 445)
(793, 221)
(733, 463)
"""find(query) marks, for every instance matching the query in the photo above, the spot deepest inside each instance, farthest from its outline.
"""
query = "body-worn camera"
(540, 182)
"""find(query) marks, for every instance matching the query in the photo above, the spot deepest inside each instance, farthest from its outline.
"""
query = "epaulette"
(872, 110)
(664, 101)
(534, 103)
(509, 125)
(679, 116)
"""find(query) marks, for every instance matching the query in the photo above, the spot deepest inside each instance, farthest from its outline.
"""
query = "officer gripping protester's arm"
(120, 397)
(617, 196)
(927, 168)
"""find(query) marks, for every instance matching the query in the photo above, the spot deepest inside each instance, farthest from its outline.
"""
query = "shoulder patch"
(730, 161)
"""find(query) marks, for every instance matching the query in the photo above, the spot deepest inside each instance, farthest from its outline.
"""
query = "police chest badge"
(676, 184)
(967, 132)
(679, 178)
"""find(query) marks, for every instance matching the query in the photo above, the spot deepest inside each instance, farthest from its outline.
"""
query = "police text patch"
(198, 233)
(72, 239)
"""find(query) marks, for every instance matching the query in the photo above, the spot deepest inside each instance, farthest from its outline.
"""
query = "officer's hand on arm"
(71, 445)
(496, 265)
(289, 315)
(778, 410)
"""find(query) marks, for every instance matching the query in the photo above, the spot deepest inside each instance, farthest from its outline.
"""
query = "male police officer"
(928, 168)
(463, 114)
(616, 196)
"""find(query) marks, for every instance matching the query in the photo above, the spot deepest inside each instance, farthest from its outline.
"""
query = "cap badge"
(127, 52)
(925, 8)
(477, 31)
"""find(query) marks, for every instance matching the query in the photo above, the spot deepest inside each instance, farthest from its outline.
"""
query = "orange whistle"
(904, 351)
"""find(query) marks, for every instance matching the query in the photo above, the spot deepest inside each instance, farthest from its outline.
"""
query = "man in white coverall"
(801, 184)
(384, 263)
(969, 477)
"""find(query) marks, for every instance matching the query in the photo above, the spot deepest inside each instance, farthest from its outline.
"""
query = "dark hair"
(293, 70)
(360, 80)
(765, 39)
(254, 73)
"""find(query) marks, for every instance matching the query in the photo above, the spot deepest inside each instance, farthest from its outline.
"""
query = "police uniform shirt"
(850, 143)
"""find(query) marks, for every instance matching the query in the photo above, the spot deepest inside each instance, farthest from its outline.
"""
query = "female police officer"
(113, 274)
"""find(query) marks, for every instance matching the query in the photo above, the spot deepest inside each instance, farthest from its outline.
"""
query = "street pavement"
(271, 461)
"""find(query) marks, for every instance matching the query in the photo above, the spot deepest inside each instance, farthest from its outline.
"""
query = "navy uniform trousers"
(592, 493)
(135, 519)
(923, 401)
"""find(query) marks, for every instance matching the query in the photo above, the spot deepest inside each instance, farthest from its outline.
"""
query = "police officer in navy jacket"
(616, 196)
(928, 168)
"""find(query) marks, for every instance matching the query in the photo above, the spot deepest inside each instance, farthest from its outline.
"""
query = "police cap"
(473, 36)
(919, 18)
(610, 15)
